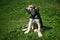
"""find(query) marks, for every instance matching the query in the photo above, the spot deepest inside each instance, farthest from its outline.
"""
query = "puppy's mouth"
(28, 11)
(32, 11)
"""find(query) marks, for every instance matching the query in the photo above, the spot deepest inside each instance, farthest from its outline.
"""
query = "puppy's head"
(32, 8)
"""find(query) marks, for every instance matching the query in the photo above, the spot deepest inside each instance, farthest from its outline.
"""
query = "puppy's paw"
(26, 32)
(35, 30)
(24, 29)
(32, 27)
(39, 34)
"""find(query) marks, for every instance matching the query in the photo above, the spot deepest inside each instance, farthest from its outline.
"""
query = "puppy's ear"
(32, 6)
(37, 9)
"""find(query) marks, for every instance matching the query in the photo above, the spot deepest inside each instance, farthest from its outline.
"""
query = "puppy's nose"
(26, 9)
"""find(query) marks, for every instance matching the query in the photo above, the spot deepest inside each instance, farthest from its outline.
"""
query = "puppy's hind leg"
(25, 28)
(29, 26)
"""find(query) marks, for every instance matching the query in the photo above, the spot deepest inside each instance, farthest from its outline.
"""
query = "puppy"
(34, 19)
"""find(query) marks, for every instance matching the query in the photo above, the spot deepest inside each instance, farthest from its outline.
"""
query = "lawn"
(13, 19)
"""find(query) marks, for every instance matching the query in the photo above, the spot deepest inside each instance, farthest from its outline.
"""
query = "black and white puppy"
(35, 20)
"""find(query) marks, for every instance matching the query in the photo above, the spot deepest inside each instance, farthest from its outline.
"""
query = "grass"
(13, 19)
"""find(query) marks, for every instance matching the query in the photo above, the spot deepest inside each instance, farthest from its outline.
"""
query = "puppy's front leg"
(39, 31)
(29, 26)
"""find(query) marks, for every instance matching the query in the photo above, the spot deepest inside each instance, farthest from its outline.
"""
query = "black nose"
(26, 9)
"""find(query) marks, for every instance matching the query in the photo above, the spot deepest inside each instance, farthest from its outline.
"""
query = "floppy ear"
(37, 9)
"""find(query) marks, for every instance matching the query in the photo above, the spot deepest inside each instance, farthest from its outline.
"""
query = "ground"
(13, 19)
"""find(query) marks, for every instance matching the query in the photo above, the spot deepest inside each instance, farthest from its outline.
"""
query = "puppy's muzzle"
(28, 11)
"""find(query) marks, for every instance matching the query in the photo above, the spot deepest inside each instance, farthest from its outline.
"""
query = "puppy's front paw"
(26, 32)
(39, 34)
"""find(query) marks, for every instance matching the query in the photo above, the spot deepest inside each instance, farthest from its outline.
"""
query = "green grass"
(13, 19)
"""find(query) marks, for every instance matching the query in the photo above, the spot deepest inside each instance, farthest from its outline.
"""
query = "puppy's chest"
(35, 26)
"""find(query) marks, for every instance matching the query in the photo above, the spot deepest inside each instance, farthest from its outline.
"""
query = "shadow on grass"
(46, 28)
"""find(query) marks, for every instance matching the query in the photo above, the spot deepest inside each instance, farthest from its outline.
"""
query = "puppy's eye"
(30, 7)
